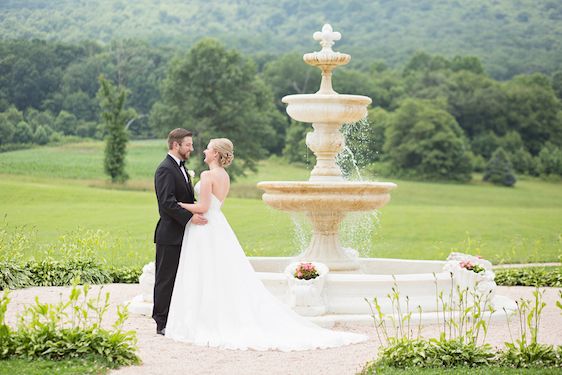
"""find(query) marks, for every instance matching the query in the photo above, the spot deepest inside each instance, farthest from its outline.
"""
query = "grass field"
(58, 189)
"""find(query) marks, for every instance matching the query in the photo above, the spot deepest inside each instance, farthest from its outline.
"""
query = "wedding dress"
(219, 301)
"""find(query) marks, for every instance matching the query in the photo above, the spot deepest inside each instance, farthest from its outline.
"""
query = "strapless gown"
(219, 301)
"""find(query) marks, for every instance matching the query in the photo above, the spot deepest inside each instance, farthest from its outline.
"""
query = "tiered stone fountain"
(325, 199)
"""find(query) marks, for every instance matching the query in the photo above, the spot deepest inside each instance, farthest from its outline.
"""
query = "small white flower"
(191, 173)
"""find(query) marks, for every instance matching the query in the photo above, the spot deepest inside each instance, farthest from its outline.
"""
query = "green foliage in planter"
(68, 329)
(530, 276)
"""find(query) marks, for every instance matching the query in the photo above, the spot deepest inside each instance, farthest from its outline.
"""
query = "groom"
(173, 185)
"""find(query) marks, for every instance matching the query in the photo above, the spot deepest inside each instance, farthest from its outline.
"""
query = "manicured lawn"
(469, 370)
(66, 367)
(58, 189)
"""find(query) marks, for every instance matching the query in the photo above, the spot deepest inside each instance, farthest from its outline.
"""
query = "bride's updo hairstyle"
(225, 148)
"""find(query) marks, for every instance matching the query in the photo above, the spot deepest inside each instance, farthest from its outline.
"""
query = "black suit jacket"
(171, 188)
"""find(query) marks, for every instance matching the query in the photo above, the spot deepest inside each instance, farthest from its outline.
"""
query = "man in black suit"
(173, 185)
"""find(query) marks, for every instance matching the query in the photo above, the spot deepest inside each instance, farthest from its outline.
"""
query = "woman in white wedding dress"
(218, 300)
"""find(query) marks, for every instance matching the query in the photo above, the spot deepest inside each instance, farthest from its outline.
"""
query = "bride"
(217, 299)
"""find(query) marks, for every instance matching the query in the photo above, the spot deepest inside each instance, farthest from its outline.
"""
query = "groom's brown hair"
(177, 135)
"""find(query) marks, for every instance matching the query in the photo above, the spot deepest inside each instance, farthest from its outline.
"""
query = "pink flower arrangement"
(467, 264)
(306, 271)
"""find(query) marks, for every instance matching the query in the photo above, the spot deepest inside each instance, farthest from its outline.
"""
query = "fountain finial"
(327, 36)
(326, 59)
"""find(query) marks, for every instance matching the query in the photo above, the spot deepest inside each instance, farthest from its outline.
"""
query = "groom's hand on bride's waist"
(198, 219)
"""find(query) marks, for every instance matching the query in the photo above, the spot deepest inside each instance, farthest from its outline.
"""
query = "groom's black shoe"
(161, 331)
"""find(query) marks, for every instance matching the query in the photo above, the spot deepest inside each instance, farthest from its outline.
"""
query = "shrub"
(53, 272)
(125, 275)
(13, 241)
(530, 276)
(14, 275)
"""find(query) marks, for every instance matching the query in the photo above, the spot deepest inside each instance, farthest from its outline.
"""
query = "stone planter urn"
(481, 282)
(306, 297)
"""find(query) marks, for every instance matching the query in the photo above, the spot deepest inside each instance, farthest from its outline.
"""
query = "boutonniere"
(191, 173)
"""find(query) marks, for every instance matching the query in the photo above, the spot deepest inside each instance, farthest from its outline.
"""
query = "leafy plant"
(13, 241)
(462, 332)
(68, 329)
(526, 351)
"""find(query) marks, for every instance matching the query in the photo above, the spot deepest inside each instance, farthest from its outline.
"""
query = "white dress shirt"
(182, 169)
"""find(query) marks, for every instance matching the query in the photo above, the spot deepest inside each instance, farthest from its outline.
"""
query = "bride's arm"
(204, 200)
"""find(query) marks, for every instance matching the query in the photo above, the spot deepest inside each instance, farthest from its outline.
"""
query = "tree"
(115, 115)
(550, 159)
(425, 141)
(7, 129)
(288, 75)
(215, 93)
(40, 136)
(66, 123)
(296, 150)
(478, 103)
(533, 110)
(498, 170)
(23, 133)
(557, 84)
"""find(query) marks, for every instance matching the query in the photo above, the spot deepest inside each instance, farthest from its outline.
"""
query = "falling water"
(358, 144)
(357, 231)
(358, 228)
(302, 232)
(347, 163)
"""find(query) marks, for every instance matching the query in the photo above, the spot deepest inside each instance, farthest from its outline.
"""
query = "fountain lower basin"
(420, 281)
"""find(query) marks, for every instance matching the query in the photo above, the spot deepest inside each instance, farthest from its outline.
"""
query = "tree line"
(510, 36)
(433, 118)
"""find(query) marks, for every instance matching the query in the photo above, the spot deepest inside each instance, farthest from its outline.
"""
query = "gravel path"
(163, 356)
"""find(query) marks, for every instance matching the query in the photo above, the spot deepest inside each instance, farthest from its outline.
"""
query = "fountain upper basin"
(327, 108)
(326, 195)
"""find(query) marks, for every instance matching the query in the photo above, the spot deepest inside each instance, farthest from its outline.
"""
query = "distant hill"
(509, 36)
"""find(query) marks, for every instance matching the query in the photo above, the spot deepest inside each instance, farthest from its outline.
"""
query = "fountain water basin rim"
(326, 196)
(324, 187)
(327, 108)
(335, 98)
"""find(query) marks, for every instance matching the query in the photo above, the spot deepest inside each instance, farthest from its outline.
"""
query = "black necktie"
(182, 163)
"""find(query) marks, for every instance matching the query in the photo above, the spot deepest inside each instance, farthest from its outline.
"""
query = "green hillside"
(510, 36)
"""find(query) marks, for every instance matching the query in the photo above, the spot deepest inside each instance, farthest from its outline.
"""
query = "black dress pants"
(167, 260)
